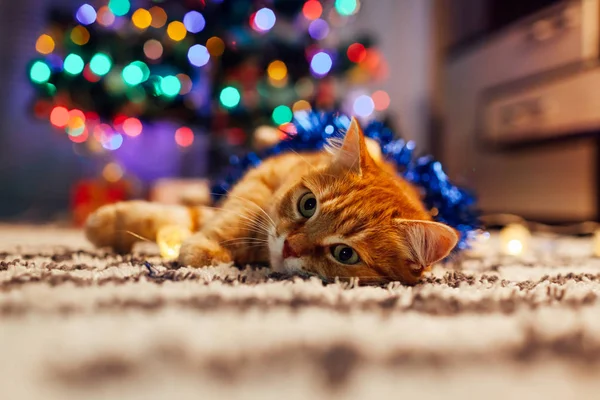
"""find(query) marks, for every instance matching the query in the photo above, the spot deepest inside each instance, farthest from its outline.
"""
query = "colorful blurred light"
(346, 7)
(318, 29)
(356, 52)
(105, 17)
(73, 64)
(381, 100)
(186, 83)
(89, 75)
(113, 141)
(264, 19)
(215, 46)
(100, 64)
(80, 35)
(312, 9)
(198, 55)
(277, 70)
(132, 75)
(304, 87)
(321, 63)
(176, 31)
(132, 127)
(301, 105)
(159, 17)
(119, 7)
(40, 72)
(170, 86)
(112, 172)
(59, 117)
(230, 97)
(153, 49)
(364, 106)
(141, 18)
(282, 114)
(82, 137)
(184, 136)
(86, 14)
(194, 22)
(45, 44)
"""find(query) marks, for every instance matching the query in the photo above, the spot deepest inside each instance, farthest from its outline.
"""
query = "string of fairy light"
(61, 58)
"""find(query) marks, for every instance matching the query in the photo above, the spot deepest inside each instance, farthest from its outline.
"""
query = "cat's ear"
(352, 153)
(426, 242)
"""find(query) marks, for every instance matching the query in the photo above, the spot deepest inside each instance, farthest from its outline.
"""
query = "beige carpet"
(79, 323)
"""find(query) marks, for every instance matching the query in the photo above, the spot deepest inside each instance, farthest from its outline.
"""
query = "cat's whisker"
(256, 205)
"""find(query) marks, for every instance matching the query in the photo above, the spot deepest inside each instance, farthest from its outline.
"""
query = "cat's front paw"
(200, 251)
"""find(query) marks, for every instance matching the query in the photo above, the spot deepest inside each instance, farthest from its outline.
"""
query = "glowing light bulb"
(176, 31)
(153, 49)
(346, 7)
(282, 114)
(264, 19)
(364, 106)
(514, 239)
(105, 17)
(44, 44)
(230, 97)
(132, 75)
(312, 10)
(159, 17)
(277, 70)
(381, 100)
(86, 14)
(80, 35)
(318, 29)
(100, 64)
(119, 7)
(194, 22)
(59, 117)
(356, 52)
(184, 137)
(40, 72)
(141, 18)
(170, 86)
(215, 46)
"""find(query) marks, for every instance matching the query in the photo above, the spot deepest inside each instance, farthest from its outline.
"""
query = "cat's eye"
(344, 254)
(307, 205)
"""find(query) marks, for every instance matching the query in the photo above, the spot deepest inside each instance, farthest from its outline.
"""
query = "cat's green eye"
(307, 205)
(344, 254)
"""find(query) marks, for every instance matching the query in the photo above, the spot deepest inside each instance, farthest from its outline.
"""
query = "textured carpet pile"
(83, 323)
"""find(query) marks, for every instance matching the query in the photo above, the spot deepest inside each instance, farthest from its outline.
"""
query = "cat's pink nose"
(288, 251)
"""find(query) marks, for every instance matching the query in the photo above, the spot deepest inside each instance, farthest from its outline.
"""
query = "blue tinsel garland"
(455, 206)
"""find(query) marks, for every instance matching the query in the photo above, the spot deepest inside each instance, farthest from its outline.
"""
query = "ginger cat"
(335, 213)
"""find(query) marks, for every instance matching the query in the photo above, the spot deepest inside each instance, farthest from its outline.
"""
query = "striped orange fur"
(336, 213)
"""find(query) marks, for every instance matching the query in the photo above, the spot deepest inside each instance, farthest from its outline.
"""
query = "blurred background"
(105, 98)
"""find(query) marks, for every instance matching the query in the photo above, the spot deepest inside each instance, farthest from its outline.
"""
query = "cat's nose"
(288, 251)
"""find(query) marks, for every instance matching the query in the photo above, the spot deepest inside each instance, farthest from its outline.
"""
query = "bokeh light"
(141, 18)
(264, 19)
(194, 21)
(356, 52)
(318, 29)
(304, 87)
(198, 55)
(105, 17)
(170, 86)
(119, 7)
(184, 136)
(381, 100)
(282, 114)
(159, 17)
(176, 31)
(321, 63)
(363, 106)
(112, 141)
(86, 14)
(186, 83)
(346, 7)
(82, 137)
(89, 75)
(301, 105)
(230, 97)
(80, 35)
(112, 172)
(132, 127)
(133, 74)
(277, 70)
(59, 117)
(312, 9)
(100, 64)
(40, 72)
(73, 64)
(44, 44)
(215, 46)
(153, 49)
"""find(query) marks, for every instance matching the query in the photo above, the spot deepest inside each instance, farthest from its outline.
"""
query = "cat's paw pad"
(199, 251)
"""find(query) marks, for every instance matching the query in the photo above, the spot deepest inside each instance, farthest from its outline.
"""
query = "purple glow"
(86, 14)
(198, 55)
(113, 142)
(318, 29)
(194, 22)
(265, 19)
(364, 106)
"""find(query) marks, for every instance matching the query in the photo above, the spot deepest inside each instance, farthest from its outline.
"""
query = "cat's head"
(355, 219)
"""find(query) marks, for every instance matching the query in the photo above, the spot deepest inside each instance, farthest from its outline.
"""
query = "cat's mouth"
(281, 256)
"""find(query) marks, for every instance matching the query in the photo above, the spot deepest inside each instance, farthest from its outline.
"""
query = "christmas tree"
(141, 83)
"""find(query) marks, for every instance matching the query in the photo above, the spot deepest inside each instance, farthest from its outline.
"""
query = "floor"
(76, 322)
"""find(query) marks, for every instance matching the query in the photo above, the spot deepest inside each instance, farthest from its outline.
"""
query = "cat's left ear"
(426, 242)
(352, 154)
